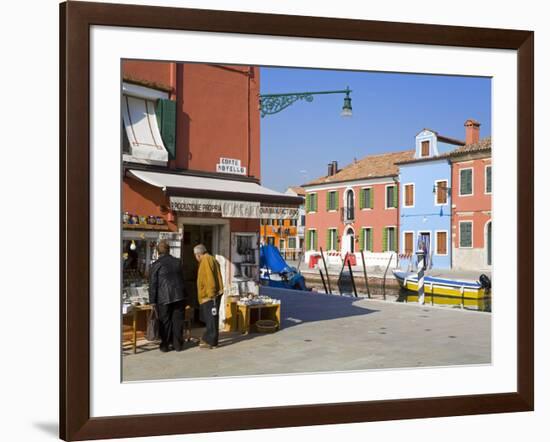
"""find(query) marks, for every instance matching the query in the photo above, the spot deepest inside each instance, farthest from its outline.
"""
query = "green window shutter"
(362, 199)
(336, 199)
(371, 234)
(385, 240)
(394, 242)
(308, 202)
(315, 203)
(466, 181)
(315, 240)
(395, 196)
(166, 118)
(308, 240)
(371, 198)
(329, 232)
(466, 234)
(328, 201)
(362, 239)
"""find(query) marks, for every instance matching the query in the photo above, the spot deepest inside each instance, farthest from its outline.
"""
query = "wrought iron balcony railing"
(348, 214)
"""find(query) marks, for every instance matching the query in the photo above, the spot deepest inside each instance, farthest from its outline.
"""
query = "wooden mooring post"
(365, 273)
(326, 270)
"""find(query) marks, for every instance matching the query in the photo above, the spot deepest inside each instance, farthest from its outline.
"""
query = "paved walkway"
(330, 333)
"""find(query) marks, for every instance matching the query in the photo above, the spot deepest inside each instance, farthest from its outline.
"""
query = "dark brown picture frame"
(75, 21)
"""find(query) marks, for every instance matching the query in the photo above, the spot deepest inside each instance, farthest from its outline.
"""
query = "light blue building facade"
(425, 200)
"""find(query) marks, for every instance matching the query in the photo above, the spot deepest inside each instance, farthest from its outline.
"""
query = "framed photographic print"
(274, 221)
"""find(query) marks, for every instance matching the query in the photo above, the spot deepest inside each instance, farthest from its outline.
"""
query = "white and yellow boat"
(446, 290)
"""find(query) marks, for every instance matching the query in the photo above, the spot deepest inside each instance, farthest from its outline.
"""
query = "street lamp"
(346, 108)
(273, 103)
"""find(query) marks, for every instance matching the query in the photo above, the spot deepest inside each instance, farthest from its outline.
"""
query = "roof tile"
(371, 166)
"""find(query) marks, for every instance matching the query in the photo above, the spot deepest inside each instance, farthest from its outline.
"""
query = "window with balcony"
(348, 212)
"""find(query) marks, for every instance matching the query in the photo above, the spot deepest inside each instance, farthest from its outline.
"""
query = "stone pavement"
(330, 333)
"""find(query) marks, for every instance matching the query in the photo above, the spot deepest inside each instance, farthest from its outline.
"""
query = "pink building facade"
(472, 202)
(355, 209)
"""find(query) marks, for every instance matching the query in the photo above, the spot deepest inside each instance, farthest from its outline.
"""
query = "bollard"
(421, 266)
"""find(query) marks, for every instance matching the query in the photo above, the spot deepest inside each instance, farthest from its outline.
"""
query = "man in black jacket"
(167, 293)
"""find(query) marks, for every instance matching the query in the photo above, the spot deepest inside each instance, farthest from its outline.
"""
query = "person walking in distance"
(167, 294)
(209, 291)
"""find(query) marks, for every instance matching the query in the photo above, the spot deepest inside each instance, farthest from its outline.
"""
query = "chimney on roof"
(472, 131)
(332, 168)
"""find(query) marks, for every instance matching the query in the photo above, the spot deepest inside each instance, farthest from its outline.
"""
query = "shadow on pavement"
(298, 306)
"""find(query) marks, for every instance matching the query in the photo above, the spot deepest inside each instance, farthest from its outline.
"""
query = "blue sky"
(388, 111)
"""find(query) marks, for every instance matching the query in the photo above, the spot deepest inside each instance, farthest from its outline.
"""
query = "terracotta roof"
(482, 145)
(146, 83)
(424, 159)
(297, 190)
(372, 166)
(449, 140)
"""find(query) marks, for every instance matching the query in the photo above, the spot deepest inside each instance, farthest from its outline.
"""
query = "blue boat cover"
(271, 258)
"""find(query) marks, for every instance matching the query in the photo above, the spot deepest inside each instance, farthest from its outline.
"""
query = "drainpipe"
(249, 76)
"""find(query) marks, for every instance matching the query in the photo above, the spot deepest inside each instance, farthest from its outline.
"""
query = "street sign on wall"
(231, 166)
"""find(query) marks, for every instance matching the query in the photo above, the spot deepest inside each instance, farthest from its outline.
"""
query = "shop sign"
(226, 208)
(230, 165)
(195, 205)
(273, 212)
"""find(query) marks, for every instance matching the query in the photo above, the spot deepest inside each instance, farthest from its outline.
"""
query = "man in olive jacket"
(209, 291)
(167, 293)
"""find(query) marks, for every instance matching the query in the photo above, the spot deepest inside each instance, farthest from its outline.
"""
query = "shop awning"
(178, 185)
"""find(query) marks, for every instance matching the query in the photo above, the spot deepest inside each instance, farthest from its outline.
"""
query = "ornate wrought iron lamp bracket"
(273, 103)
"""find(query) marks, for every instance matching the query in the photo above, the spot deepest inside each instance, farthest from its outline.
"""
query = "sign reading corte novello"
(230, 165)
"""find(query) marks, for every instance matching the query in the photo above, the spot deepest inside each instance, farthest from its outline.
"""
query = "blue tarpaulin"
(271, 258)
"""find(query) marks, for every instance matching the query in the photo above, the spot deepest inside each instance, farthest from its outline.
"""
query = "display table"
(248, 314)
(134, 314)
(136, 309)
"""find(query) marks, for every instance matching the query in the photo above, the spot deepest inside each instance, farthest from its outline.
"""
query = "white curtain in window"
(142, 129)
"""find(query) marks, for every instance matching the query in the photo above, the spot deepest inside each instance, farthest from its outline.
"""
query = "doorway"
(193, 235)
(424, 243)
(348, 241)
